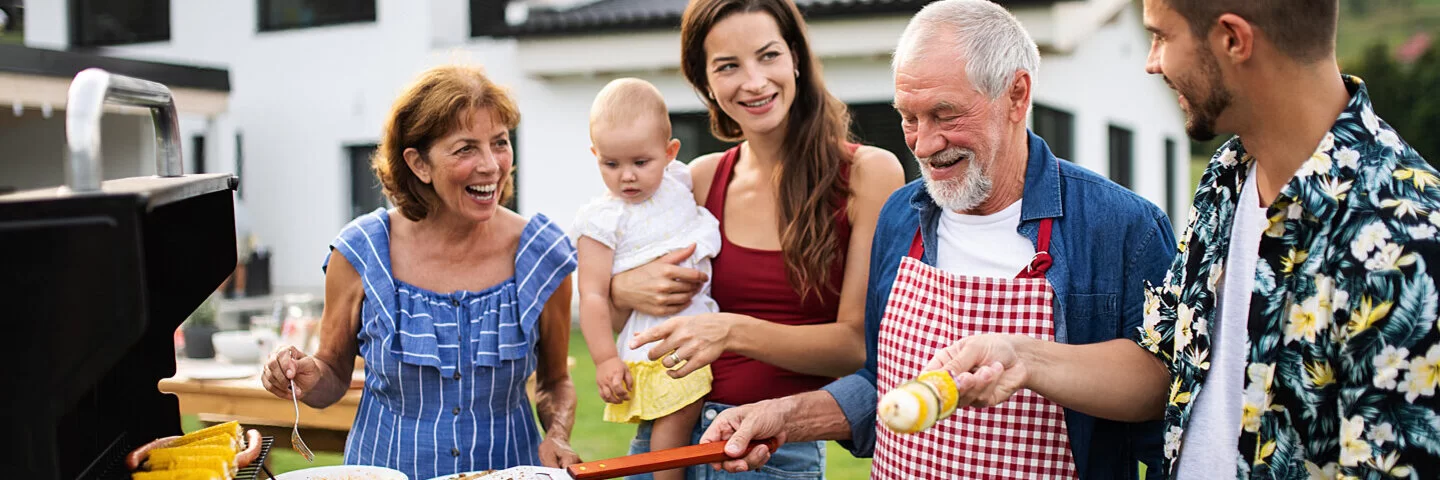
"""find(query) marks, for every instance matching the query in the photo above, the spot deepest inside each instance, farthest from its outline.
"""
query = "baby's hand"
(614, 381)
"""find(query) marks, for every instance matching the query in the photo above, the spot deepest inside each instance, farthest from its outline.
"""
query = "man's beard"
(1200, 119)
(957, 194)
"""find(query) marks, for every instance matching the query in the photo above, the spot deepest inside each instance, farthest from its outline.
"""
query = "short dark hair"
(1301, 29)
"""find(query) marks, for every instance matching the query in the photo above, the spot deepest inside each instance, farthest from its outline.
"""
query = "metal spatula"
(629, 465)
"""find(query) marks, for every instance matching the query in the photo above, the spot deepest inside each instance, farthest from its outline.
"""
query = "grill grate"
(116, 465)
(253, 472)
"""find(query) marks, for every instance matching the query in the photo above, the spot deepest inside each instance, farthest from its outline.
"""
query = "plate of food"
(475, 475)
(344, 472)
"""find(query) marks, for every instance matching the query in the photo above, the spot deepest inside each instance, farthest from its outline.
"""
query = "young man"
(1299, 321)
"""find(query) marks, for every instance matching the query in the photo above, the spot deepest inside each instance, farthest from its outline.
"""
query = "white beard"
(958, 194)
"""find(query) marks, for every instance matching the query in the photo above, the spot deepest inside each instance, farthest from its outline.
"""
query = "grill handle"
(89, 92)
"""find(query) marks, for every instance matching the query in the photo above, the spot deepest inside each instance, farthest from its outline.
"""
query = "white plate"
(517, 473)
(344, 472)
(472, 475)
(220, 372)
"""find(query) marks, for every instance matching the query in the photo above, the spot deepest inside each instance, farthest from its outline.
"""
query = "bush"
(1403, 96)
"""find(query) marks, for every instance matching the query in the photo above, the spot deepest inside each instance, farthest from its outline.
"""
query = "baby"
(649, 211)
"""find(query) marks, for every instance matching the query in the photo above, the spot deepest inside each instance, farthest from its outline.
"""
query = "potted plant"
(198, 328)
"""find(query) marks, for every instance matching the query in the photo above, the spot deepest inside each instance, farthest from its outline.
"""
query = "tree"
(1357, 7)
(1401, 95)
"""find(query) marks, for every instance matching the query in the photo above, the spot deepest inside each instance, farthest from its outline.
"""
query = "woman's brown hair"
(436, 103)
(812, 188)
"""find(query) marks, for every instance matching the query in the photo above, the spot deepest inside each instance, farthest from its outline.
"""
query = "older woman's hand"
(555, 452)
(695, 340)
(658, 288)
(286, 364)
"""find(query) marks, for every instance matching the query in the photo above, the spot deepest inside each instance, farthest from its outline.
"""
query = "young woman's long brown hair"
(812, 189)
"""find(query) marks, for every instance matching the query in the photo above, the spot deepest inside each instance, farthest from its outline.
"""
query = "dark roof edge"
(59, 63)
(543, 26)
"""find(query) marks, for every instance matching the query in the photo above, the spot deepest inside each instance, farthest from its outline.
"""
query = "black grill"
(95, 278)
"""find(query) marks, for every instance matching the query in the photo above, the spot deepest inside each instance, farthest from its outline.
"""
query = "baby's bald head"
(628, 102)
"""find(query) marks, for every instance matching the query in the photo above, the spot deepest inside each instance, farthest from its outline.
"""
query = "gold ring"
(675, 359)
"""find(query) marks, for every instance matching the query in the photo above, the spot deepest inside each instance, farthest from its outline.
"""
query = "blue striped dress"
(445, 372)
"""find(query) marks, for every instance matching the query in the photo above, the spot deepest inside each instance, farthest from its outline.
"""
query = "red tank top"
(753, 282)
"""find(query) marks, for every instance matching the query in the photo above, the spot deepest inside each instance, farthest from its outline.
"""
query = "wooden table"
(246, 401)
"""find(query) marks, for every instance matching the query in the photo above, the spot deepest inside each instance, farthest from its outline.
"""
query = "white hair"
(987, 37)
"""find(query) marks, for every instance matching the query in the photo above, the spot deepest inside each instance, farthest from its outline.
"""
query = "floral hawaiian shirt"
(1344, 356)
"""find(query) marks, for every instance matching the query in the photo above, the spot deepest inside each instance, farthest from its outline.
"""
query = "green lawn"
(1197, 167)
(592, 438)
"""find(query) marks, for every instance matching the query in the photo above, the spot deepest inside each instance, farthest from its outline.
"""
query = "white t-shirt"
(983, 245)
(1212, 440)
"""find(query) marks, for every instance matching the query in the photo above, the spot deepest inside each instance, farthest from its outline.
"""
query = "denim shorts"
(803, 460)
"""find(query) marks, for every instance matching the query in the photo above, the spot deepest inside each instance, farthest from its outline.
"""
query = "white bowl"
(239, 346)
(344, 472)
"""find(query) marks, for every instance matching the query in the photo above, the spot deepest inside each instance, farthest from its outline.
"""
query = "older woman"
(451, 299)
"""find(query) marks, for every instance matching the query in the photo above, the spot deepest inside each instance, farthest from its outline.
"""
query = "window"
(365, 192)
(693, 131)
(878, 125)
(1057, 127)
(1122, 155)
(12, 23)
(875, 124)
(240, 166)
(487, 18)
(197, 155)
(95, 23)
(288, 14)
(514, 203)
(1170, 192)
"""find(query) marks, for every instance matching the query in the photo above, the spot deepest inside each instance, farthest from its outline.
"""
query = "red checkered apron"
(929, 309)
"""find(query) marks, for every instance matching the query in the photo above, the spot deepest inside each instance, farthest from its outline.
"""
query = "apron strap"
(1042, 261)
(1037, 267)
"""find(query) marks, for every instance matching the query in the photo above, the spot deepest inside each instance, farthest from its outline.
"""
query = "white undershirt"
(983, 245)
(1212, 440)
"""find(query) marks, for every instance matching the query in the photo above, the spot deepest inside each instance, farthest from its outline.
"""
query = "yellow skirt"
(656, 394)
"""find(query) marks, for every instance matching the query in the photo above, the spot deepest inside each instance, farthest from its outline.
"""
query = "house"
(312, 81)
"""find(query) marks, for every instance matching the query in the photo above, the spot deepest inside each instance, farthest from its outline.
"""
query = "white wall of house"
(1120, 94)
(299, 97)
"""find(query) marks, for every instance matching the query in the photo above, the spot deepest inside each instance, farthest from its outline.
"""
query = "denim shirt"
(1106, 242)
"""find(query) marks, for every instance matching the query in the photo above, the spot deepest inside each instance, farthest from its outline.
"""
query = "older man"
(1000, 237)
(1299, 321)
